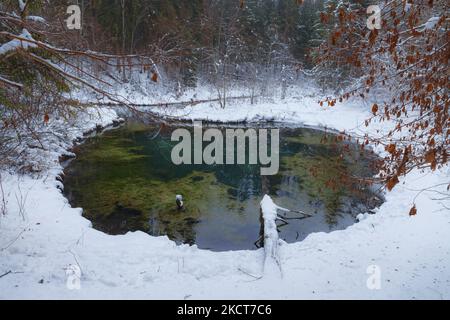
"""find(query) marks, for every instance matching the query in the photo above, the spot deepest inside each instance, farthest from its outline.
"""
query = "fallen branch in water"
(269, 216)
(283, 217)
(271, 240)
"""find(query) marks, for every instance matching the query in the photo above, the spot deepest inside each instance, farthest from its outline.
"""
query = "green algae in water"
(125, 181)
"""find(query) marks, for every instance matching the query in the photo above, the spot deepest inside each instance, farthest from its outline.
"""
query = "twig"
(301, 212)
(157, 133)
(76, 260)
(295, 218)
(428, 189)
(6, 273)
(21, 202)
(10, 272)
(249, 274)
(14, 240)
(3, 209)
(256, 242)
(282, 219)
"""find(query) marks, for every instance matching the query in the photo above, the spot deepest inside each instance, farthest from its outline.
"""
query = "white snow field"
(41, 237)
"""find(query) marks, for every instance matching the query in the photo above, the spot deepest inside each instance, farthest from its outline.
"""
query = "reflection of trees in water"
(242, 187)
(121, 220)
(176, 224)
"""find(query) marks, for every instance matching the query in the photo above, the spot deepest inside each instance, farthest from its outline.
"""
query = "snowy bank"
(41, 237)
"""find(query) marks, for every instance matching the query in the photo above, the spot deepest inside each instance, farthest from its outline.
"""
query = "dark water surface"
(125, 180)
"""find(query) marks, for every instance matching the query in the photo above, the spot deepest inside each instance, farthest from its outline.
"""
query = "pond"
(125, 180)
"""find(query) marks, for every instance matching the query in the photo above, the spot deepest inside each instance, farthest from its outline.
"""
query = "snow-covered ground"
(42, 237)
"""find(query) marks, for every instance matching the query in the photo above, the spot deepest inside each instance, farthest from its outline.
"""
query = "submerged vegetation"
(125, 180)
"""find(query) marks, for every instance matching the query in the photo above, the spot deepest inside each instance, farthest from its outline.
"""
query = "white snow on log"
(269, 209)
(407, 7)
(22, 5)
(36, 19)
(17, 43)
(431, 23)
(11, 83)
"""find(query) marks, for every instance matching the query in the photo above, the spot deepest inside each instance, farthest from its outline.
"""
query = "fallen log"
(165, 104)
(269, 215)
(271, 241)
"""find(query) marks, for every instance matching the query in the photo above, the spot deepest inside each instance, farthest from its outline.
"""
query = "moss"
(116, 154)
(110, 148)
(137, 127)
(309, 137)
(154, 198)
